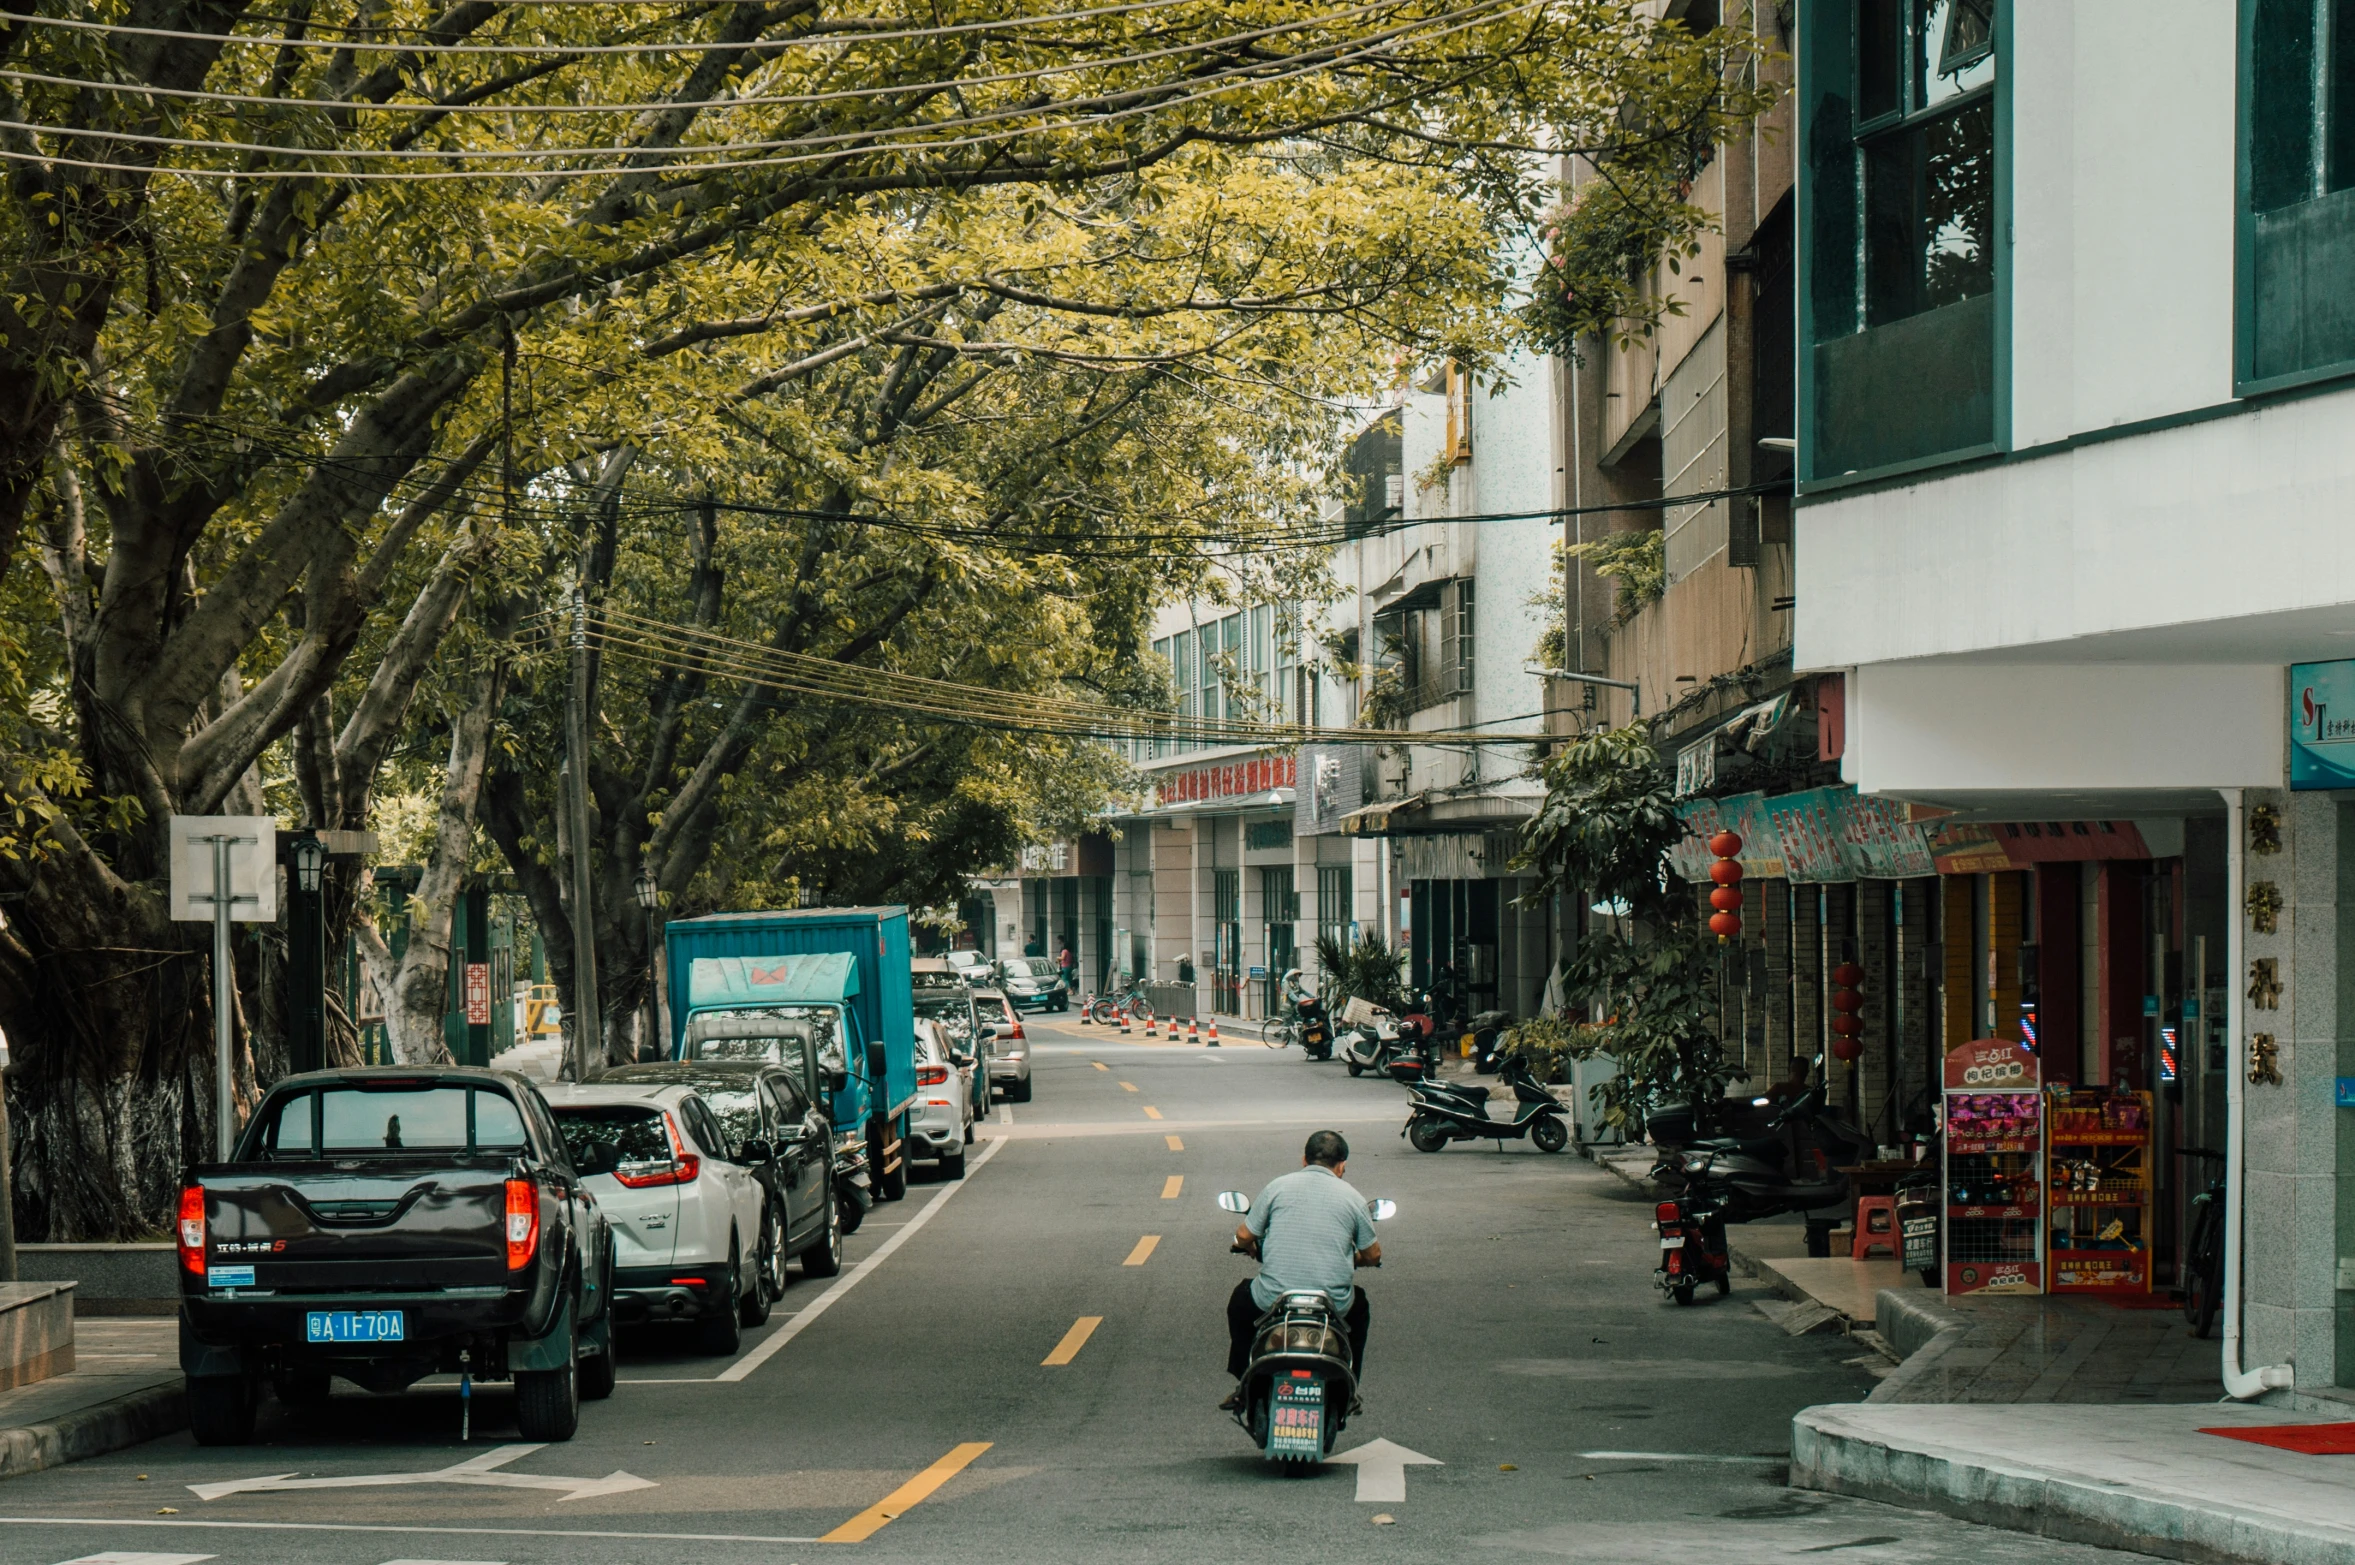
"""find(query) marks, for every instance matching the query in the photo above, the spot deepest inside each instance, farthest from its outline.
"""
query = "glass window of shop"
(1902, 203)
(2296, 225)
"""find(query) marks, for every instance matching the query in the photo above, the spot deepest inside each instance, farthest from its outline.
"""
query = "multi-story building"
(2075, 427)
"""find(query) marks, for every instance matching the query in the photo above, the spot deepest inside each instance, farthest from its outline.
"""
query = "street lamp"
(310, 863)
(649, 893)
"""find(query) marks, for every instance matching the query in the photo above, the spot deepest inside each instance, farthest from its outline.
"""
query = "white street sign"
(475, 1470)
(253, 867)
(1381, 1468)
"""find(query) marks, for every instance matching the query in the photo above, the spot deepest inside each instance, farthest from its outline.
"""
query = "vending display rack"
(1993, 1116)
(2098, 1179)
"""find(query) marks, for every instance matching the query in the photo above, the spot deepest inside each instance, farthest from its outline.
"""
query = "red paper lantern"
(1847, 1025)
(1725, 844)
(1726, 872)
(1847, 1000)
(1726, 899)
(1845, 1049)
(1724, 925)
(1848, 976)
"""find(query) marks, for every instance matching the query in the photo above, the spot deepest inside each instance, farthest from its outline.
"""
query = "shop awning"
(1373, 820)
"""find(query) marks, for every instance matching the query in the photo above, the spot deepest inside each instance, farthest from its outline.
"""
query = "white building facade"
(2076, 433)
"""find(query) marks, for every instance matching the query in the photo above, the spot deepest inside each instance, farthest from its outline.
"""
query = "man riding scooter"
(1309, 1229)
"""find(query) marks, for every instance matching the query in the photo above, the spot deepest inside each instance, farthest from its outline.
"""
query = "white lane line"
(1670, 1456)
(121, 1557)
(445, 1562)
(1005, 1115)
(774, 1344)
(479, 1532)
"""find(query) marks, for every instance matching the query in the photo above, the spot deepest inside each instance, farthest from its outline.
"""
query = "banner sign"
(1332, 784)
(2322, 724)
(478, 994)
(1233, 780)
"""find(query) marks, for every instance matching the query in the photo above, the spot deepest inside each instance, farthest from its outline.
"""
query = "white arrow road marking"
(475, 1470)
(1381, 1468)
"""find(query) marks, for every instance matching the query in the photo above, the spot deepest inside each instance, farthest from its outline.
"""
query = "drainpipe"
(2240, 1385)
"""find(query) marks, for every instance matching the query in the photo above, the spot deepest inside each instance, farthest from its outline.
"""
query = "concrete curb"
(1828, 1454)
(1918, 1331)
(84, 1432)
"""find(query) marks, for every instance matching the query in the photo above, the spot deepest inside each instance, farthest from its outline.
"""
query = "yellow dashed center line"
(1152, 1112)
(1143, 1252)
(1175, 1145)
(1073, 1340)
(1100, 1065)
(904, 1498)
(1128, 1086)
(1174, 1185)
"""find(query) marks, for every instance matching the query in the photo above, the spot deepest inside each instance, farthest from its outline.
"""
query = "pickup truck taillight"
(932, 1075)
(681, 1169)
(523, 1223)
(192, 1228)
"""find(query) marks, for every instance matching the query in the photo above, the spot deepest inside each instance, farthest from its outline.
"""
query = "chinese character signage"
(2322, 725)
(1234, 780)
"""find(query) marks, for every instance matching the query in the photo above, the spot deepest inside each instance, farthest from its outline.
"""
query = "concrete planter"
(112, 1279)
(36, 1332)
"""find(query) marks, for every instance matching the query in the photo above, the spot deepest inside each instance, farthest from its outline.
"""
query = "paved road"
(1517, 1340)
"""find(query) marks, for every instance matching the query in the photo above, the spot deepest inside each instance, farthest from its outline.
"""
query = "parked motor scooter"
(1415, 1060)
(1438, 1118)
(1692, 1241)
(1312, 1024)
(1369, 1045)
(1793, 1166)
(1300, 1381)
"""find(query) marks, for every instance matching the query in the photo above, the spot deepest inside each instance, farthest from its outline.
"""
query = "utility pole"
(587, 1016)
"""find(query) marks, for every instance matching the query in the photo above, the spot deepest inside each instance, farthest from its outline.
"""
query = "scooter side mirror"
(1381, 1211)
(1233, 1201)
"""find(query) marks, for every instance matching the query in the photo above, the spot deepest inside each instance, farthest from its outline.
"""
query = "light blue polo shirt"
(1310, 1224)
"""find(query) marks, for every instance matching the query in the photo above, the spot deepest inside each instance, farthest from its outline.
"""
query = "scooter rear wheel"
(1425, 1136)
(1682, 1293)
(1550, 1135)
(1356, 1069)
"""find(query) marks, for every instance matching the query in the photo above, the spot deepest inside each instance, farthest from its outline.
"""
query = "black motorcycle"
(1692, 1242)
(1299, 1381)
(1312, 1024)
(1791, 1164)
(1439, 1116)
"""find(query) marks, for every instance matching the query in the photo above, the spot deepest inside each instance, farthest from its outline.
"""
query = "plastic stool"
(1876, 1227)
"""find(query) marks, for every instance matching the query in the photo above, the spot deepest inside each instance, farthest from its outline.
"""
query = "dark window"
(1900, 195)
(427, 1116)
(2298, 125)
(738, 1109)
(635, 1134)
(288, 1132)
(703, 1127)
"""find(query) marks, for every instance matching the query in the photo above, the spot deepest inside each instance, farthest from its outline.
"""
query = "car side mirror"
(1233, 1201)
(988, 1031)
(1381, 1211)
(755, 1152)
(961, 1058)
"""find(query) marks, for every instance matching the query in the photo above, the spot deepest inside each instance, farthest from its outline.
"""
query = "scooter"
(1414, 1061)
(1438, 1118)
(1370, 1045)
(852, 1191)
(1792, 1167)
(1298, 1384)
(1313, 1025)
(1692, 1243)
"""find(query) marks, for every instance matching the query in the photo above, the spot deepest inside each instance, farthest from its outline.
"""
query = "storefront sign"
(1332, 784)
(1990, 1065)
(2322, 724)
(1234, 780)
(478, 994)
(1809, 825)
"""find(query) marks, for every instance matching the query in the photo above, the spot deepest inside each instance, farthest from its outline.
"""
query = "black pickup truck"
(389, 1224)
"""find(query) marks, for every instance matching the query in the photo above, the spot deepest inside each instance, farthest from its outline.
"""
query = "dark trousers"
(1243, 1313)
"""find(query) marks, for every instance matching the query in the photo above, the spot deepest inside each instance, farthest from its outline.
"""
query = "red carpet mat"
(2307, 1439)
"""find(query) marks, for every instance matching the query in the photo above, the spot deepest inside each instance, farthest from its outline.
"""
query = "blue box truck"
(823, 992)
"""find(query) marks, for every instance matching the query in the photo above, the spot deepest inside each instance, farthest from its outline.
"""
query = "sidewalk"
(124, 1387)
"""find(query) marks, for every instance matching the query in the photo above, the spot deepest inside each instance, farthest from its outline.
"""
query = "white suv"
(686, 1221)
(940, 1125)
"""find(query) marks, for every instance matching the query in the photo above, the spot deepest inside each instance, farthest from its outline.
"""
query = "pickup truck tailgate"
(360, 1225)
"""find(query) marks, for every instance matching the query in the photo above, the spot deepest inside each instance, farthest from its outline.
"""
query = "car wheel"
(752, 1307)
(1019, 1092)
(220, 1409)
(952, 1164)
(548, 1401)
(824, 1259)
(596, 1370)
(719, 1331)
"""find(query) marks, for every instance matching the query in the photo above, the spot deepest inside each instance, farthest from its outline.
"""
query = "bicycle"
(2202, 1272)
(1129, 1004)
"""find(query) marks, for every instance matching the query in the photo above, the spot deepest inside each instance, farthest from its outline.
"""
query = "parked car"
(951, 1004)
(389, 1224)
(971, 966)
(686, 1220)
(785, 1139)
(1035, 983)
(1009, 1052)
(940, 1125)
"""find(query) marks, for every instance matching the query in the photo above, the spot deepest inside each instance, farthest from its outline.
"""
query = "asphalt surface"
(1517, 1341)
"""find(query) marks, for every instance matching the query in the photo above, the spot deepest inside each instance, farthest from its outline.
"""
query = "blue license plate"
(354, 1326)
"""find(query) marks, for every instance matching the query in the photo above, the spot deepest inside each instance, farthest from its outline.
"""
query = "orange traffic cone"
(1149, 1032)
(1193, 1030)
(1213, 1033)
(1124, 1024)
